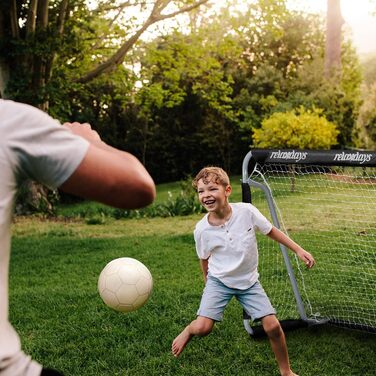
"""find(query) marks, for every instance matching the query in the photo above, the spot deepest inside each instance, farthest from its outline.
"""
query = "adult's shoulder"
(37, 146)
(8, 104)
(17, 117)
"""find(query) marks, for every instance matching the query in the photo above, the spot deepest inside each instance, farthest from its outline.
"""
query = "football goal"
(326, 202)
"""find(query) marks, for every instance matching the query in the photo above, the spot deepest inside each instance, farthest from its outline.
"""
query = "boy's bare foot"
(180, 342)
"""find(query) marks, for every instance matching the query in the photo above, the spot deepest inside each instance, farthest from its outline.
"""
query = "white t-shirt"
(34, 146)
(232, 247)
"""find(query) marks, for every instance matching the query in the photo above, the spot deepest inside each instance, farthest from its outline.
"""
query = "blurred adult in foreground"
(73, 158)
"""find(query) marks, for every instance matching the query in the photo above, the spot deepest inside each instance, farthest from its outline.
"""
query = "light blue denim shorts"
(216, 296)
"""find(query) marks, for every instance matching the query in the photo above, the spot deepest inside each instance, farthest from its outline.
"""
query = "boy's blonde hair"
(212, 174)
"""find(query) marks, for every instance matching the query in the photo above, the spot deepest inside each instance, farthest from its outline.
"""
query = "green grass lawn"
(63, 323)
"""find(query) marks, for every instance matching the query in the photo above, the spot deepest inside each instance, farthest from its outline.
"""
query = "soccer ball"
(125, 284)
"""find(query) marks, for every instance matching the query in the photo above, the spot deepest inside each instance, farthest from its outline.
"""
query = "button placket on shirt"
(227, 232)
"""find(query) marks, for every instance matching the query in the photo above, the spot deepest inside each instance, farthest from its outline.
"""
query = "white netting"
(331, 212)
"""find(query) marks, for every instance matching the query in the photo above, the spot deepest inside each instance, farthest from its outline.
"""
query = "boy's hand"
(282, 238)
(306, 257)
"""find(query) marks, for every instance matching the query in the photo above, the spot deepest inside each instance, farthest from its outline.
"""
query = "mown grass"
(63, 322)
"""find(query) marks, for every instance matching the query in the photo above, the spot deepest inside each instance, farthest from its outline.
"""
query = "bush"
(96, 220)
(301, 129)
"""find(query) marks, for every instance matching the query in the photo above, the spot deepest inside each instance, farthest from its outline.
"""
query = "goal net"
(326, 202)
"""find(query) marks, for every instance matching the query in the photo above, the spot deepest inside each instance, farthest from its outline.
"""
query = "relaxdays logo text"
(353, 157)
(289, 155)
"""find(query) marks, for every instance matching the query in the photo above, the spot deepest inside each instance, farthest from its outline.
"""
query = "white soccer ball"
(125, 284)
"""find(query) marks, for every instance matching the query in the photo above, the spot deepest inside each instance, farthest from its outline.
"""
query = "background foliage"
(193, 92)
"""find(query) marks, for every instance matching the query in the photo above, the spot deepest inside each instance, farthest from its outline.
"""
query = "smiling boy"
(226, 246)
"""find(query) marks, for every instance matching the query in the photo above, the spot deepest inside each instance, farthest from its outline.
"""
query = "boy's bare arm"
(108, 175)
(282, 238)
(204, 267)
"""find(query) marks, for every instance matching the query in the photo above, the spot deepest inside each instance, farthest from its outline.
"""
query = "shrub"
(96, 220)
(301, 128)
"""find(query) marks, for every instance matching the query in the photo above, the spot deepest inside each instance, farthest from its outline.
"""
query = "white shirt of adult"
(232, 247)
(32, 146)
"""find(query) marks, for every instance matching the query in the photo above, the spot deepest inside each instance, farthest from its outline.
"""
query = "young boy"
(226, 245)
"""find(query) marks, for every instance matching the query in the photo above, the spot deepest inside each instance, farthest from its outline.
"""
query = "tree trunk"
(334, 22)
(31, 17)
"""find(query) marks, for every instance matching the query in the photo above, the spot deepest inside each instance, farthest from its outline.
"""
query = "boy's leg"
(277, 339)
(202, 326)
(213, 302)
(257, 304)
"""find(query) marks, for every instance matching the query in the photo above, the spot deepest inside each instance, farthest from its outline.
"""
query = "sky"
(356, 14)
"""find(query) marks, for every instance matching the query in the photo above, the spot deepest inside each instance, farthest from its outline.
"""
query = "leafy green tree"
(369, 69)
(187, 94)
(365, 132)
(340, 101)
(273, 56)
(197, 94)
(284, 68)
(54, 53)
(39, 36)
(209, 89)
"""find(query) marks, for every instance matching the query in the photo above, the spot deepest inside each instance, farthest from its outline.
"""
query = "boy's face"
(213, 196)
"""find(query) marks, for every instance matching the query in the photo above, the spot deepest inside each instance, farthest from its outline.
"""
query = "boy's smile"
(208, 202)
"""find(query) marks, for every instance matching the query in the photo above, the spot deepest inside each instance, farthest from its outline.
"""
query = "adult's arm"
(108, 175)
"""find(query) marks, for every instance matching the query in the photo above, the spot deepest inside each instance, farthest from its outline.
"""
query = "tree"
(34, 33)
(333, 39)
(365, 132)
(186, 93)
(156, 15)
(204, 93)
(49, 49)
(340, 101)
(276, 49)
(369, 69)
